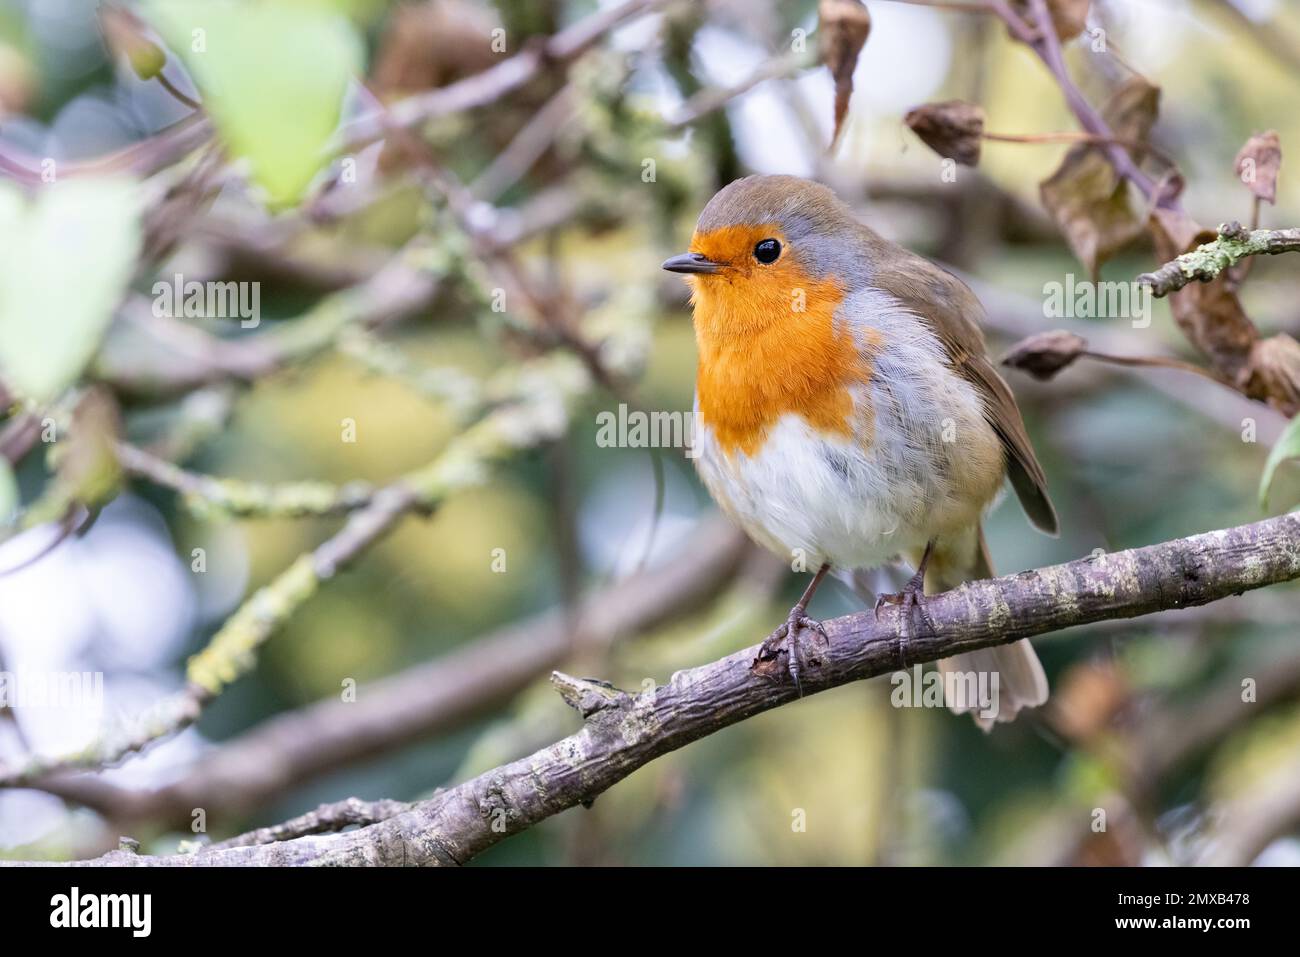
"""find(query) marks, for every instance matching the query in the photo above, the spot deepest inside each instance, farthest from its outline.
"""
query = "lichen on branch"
(1233, 244)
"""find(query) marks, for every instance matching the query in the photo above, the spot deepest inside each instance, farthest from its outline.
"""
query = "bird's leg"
(789, 631)
(912, 598)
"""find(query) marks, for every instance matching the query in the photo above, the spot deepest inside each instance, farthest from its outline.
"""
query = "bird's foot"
(789, 634)
(912, 600)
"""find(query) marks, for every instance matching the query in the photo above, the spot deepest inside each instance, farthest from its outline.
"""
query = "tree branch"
(622, 731)
(548, 388)
(1206, 261)
(1016, 316)
(709, 101)
(1042, 39)
(241, 497)
(291, 749)
(485, 88)
(325, 819)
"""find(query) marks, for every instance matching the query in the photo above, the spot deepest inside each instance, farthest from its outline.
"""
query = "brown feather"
(952, 310)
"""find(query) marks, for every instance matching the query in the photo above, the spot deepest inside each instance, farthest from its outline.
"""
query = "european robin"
(847, 413)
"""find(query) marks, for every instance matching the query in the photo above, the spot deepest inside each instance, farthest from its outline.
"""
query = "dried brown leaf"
(1209, 313)
(1086, 196)
(1177, 231)
(1091, 208)
(1132, 109)
(431, 44)
(1275, 372)
(1258, 162)
(1045, 354)
(843, 27)
(952, 129)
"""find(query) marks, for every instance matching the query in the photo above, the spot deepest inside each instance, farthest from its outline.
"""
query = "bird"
(847, 414)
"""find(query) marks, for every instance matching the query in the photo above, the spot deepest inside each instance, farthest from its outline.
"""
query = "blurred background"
(1147, 722)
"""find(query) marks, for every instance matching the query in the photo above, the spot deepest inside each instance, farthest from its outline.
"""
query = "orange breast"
(769, 346)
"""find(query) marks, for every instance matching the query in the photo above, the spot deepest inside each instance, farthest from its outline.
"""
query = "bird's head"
(767, 247)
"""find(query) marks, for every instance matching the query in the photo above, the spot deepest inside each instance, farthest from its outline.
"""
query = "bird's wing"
(950, 308)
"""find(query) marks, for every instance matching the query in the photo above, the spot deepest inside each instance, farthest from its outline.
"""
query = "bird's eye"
(767, 251)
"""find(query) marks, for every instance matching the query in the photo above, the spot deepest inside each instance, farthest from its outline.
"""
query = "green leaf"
(68, 258)
(272, 75)
(1287, 447)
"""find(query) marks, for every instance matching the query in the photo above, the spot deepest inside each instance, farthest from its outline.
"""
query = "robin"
(846, 412)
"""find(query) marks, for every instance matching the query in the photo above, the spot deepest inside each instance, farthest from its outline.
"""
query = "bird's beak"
(691, 263)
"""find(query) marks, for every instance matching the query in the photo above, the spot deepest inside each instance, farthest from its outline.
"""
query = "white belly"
(923, 463)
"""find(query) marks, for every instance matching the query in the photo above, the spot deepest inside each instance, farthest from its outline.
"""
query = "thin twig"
(1076, 136)
(528, 146)
(326, 819)
(177, 94)
(1159, 362)
(709, 101)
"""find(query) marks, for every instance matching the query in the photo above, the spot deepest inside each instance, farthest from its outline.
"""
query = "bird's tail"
(1020, 682)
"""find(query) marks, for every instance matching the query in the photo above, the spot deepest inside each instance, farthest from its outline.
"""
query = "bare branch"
(326, 819)
(487, 87)
(290, 749)
(621, 731)
(547, 389)
(709, 101)
(195, 358)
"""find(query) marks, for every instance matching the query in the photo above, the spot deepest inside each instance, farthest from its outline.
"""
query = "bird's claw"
(788, 632)
(912, 600)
